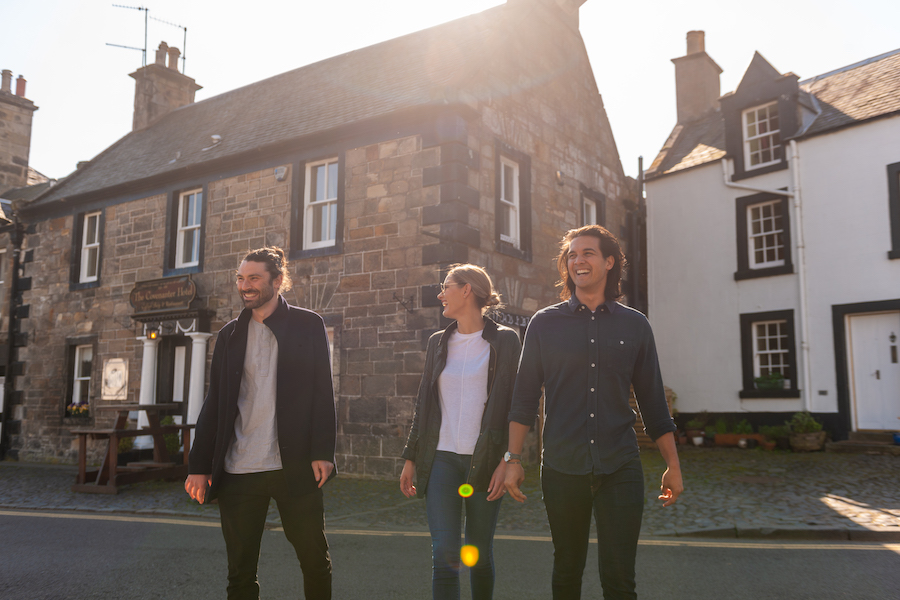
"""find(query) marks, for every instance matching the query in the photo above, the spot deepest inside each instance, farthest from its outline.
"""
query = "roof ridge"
(850, 67)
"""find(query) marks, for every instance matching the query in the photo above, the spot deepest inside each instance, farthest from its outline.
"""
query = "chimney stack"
(160, 89)
(696, 80)
(16, 114)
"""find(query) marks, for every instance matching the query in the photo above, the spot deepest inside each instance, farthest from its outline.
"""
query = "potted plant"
(777, 435)
(694, 431)
(78, 411)
(772, 381)
(806, 433)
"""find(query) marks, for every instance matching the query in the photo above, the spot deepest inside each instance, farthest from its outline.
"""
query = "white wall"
(695, 303)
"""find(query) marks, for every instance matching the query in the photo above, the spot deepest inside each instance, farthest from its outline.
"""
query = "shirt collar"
(573, 304)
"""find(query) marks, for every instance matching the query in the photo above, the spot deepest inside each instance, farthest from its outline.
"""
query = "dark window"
(894, 204)
(768, 350)
(512, 201)
(763, 232)
(186, 232)
(318, 207)
(593, 207)
(87, 246)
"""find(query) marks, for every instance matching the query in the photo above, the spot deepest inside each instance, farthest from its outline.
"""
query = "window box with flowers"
(78, 413)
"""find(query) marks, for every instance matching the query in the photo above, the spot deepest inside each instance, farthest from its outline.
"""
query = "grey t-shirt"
(255, 444)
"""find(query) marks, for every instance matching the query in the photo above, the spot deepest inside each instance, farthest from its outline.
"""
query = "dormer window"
(762, 136)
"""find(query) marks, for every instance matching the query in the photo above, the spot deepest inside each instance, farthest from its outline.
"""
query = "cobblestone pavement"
(729, 493)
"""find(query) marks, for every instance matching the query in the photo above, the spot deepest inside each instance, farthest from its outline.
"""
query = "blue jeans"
(444, 507)
(617, 502)
(243, 504)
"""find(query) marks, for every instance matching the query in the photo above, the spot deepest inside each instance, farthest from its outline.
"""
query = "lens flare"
(469, 555)
(466, 490)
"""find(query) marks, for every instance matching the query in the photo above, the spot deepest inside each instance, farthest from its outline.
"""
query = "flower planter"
(807, 442)
(734, 439)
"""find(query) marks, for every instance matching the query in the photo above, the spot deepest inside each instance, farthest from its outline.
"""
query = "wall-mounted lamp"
(152, 332)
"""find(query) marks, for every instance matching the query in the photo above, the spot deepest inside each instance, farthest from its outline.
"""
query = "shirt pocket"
(619, 354)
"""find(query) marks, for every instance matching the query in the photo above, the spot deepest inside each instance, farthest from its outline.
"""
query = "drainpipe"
(801, 271)
(794, 194)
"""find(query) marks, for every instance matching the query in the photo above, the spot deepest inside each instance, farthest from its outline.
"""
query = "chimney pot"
(161, 54)
(695, 42)
(174, 53)
(7, 81)
(20, 87)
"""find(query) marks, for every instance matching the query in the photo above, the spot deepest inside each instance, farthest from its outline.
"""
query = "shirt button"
(592, 415)
(592, 441)
(592, 389)
(593, 365)
(593, 318)
(592, 341)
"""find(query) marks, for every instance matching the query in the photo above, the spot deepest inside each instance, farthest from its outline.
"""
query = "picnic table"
(108, 478)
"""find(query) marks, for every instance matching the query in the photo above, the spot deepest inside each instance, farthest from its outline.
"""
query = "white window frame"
(77, 379)
(90, 249)
(781, 348)
(327, 204)
(590, 212)
(189, 224)
(776, 230)
(511, 201)
(752, 136)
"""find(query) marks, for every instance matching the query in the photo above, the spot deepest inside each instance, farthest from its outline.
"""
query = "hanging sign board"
(163, 295)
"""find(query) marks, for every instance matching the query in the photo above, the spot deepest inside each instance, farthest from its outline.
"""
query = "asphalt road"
(81, 556)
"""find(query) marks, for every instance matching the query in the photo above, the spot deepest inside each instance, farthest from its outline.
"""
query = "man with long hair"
(586, 353)
(267, 428)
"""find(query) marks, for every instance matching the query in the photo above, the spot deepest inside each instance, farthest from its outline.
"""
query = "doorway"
(874, 370)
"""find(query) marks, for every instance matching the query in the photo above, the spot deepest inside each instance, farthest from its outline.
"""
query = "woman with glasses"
(459, 432)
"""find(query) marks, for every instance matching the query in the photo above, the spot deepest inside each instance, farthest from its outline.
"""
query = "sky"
(86, 99)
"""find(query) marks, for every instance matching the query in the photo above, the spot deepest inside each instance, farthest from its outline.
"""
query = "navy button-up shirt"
(586, 362)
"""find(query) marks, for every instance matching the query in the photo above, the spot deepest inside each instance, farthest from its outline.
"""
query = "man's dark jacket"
(493, 438)
(304, 403)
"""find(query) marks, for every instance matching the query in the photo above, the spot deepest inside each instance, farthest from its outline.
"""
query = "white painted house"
(774, 243)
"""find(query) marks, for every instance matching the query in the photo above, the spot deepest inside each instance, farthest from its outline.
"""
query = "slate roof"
(425, 68)
(848, 96)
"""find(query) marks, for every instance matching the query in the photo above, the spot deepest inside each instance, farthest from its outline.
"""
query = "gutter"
(800, 244)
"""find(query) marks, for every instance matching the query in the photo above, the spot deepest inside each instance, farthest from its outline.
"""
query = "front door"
(173, 369)
(875, 370)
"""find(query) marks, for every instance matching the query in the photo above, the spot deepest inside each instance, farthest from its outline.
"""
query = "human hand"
(496, 487)
(406, 479)
(196, 485)
(322, 469)
(515, 475)
(671, 486)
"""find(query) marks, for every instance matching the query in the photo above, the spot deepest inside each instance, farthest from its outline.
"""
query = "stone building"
(480, 140)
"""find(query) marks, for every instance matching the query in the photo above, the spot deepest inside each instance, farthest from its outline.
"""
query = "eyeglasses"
(444, 286)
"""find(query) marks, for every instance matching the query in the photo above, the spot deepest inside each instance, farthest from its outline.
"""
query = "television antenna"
(147, 17)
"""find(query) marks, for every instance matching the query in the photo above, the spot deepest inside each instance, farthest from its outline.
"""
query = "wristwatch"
(510, 456)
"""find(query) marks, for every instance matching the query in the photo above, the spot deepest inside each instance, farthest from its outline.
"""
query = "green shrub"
(803, 422)
(775, 432)
(721, 426)
(743, 427)
(173, 444)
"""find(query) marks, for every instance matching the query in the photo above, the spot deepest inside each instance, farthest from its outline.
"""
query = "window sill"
(893, 254)
(316, 252)
(769, 272)
(757, 394)
(75, 286)
(510, 250)
(172, 272)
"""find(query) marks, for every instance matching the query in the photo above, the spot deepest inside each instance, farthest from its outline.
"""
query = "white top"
(255, 444)
(462, 388)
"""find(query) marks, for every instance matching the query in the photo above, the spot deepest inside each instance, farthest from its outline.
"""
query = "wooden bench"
(109, 476)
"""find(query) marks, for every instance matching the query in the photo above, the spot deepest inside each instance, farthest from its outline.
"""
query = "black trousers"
(616, 501)
(243, 504)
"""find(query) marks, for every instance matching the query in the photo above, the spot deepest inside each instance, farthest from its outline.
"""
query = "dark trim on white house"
(749, 386)
(839, 313)
(894, 208)
(743, 252)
